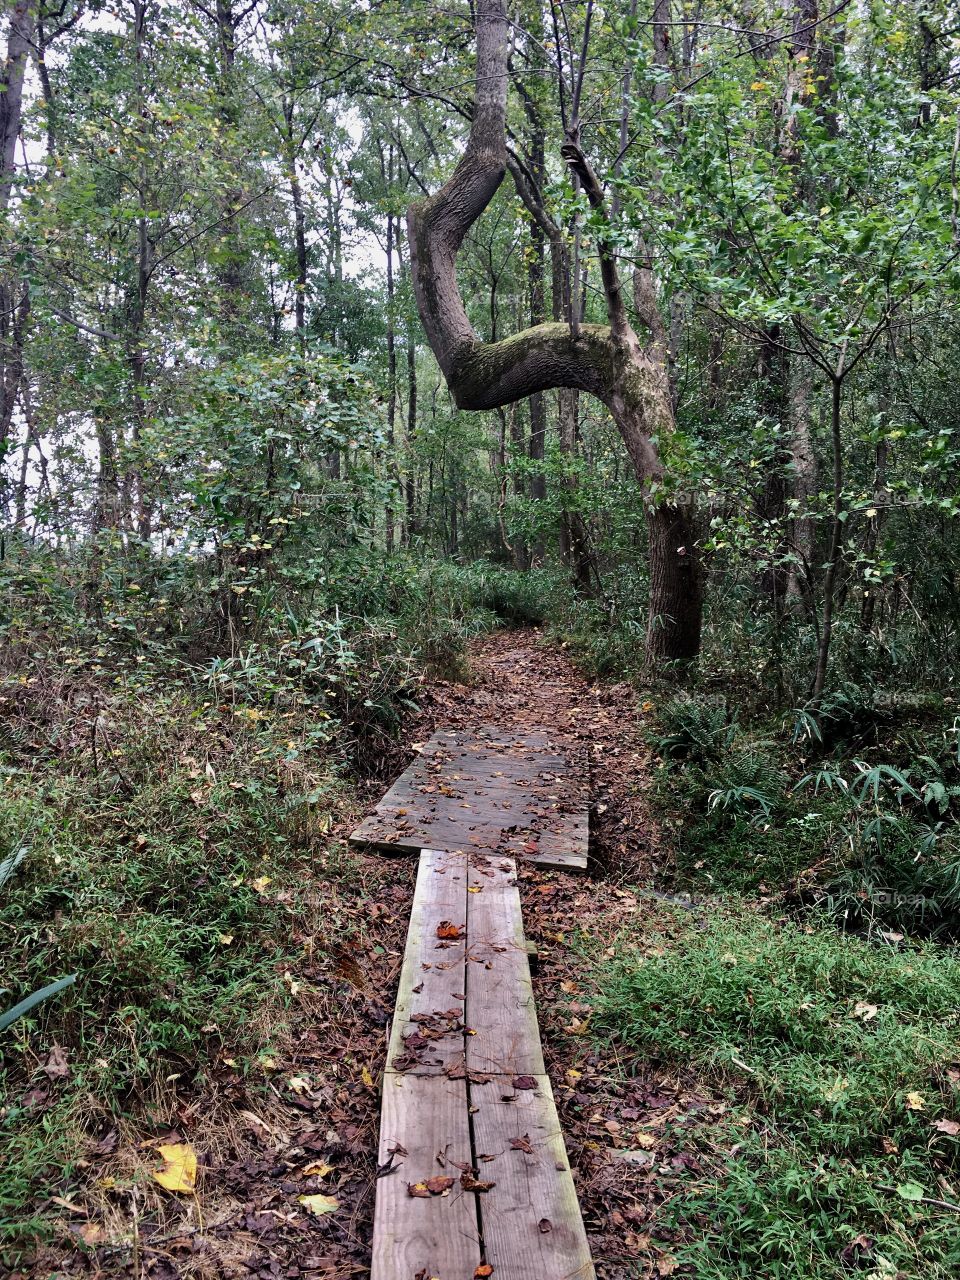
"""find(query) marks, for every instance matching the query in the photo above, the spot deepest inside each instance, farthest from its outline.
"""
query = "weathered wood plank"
(500, 1005)
(437, 1236)
(427, 1030)
(531, 1219)
(525, 795)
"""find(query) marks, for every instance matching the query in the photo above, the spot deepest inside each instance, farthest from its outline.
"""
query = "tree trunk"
(607, 361)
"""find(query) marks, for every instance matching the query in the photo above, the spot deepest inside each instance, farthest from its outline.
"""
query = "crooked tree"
(606, 361)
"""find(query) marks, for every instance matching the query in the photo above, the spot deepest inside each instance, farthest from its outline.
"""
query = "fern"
(696, 728)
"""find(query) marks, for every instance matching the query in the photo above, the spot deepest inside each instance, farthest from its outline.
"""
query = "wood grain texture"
(432, 980)
(438, 1236)
(521, 794)
(531, 1218)
(500, 1004)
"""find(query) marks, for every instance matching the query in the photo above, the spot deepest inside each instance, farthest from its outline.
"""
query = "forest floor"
(307, 1124)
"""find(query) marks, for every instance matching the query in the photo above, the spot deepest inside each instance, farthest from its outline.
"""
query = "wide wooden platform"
(523, 795)
(473, 1169)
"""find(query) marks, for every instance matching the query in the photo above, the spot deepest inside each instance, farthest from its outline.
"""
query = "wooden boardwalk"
(523, 795)
(473, 1169)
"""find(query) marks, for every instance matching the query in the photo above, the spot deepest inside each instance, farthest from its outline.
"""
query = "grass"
(180, 869)
(840, 1060)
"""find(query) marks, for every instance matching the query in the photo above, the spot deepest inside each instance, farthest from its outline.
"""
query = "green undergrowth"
(167, 802)
(840, 1062)
(855, 810)
(177, 858)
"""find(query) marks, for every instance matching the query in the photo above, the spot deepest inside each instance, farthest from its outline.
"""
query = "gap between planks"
(454, 1101)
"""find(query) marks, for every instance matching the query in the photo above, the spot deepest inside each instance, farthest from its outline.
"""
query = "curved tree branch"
(606, 361)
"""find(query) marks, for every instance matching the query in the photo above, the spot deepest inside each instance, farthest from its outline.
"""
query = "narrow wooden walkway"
(473, 1169)
(524, 795)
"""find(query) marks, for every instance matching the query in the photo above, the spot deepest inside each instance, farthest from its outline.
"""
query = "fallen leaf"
(55, 1067)
(366, 1077)
(320, 1205)
(947, 1126)
(439, 1185)
(179, 1172)
(915, 1101)
(522, 1144)
(68, 1205)
(645, 1140)
(526, 1082)
(470, 1183)
(484, 1270)
(91, 1233)
(447, 929)
(319, 1170)
(864, 1011)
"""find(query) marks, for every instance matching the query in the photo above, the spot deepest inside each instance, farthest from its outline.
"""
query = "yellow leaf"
(915, 1101)
(320, 1204)
(646, 1140)
(260, 883)
(366, 1077)
(319, 1170)
(226, 939)
(179, 1172)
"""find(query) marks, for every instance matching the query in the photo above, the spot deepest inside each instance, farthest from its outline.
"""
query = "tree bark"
(607, 361)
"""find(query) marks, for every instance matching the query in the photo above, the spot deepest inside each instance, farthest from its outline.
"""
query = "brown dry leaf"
(68, 1205)
(91, 1233)
(522, 1144)
(447, 929)
(947, 1126)
(470, 1183)
(484, 1270)
(439, 1185)
(320, 1205)
(179, 1172)
(55, 1067)
(526, 1082)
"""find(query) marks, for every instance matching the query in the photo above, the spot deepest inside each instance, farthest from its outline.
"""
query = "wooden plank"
(426, 1035)
(522, 794)
(530, 1218)
(438, 1236)
(500, 1005)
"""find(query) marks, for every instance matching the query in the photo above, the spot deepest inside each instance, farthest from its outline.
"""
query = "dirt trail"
(306, 1123)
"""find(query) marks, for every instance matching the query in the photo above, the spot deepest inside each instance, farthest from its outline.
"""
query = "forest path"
(278, 1131)
(523, 683)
